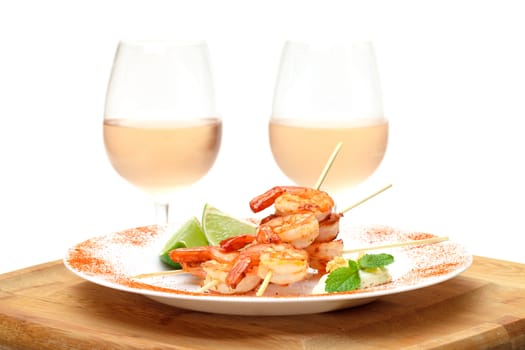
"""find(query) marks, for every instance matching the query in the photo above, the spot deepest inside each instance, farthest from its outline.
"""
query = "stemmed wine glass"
(161, 129)
(326, 94)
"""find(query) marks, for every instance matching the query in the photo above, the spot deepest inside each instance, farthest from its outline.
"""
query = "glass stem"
(162, 213)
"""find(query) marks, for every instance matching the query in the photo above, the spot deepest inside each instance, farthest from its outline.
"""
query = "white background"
(453, 78)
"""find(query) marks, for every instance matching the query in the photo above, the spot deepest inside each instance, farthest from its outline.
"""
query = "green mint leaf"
(343, 279)
(372, 261)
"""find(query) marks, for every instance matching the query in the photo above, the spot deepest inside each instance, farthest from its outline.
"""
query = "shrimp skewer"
(300, 234)
(291, 202)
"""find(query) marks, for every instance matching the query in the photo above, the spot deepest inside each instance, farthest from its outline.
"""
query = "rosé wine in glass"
(161, 130)
(326, 94)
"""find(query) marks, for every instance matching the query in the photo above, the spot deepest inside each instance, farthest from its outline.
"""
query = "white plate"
(112, 260)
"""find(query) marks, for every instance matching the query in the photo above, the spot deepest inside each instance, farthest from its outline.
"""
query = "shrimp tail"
(190, 255)
(268, 218)
(237, 242)
(238, 270)
(266, 199)
(266, 235)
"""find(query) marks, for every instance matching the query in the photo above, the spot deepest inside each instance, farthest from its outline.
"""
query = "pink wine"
(301, 150)
(160, 156)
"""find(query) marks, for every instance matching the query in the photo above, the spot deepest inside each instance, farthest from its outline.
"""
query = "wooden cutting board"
(47, 307)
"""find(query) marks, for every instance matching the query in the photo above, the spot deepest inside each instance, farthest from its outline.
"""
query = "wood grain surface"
(48, 307)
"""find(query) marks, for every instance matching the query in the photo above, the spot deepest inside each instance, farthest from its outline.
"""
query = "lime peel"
(190, 234)
(218, 225)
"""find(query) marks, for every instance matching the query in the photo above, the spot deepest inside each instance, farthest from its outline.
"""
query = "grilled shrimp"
(294, 199)
(245, 263)
(191, 258)
(320, 253)
(237, 242)
(286, 263)
(218, 272)
(299, 230)
(329, 228)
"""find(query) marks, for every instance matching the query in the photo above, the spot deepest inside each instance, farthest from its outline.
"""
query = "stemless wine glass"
(161, 130)
(326, 94)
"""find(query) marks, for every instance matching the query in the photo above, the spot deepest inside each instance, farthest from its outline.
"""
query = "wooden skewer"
(207, 286)
(367, 198)
(176, 272)
(328, 165)
(265, 283)
(396, 245)
(159, 273)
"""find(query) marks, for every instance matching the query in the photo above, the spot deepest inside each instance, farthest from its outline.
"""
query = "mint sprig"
(344, 279)
(373, 261)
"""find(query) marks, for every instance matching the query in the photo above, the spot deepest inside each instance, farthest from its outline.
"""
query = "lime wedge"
(218, 225)
(189, 235)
